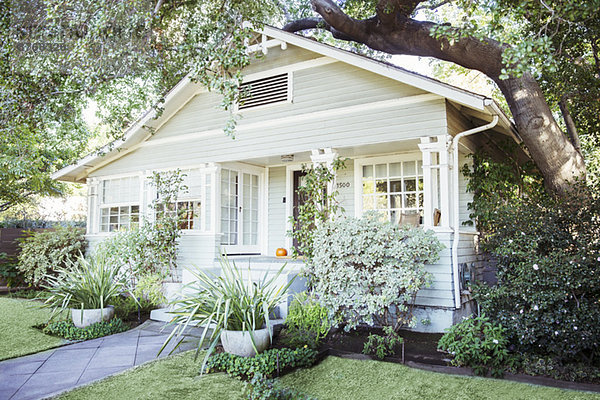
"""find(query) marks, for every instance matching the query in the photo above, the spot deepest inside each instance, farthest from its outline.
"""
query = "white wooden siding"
(346, 194)
(276, 213)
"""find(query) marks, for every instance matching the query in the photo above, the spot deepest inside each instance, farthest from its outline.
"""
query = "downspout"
(454, 144)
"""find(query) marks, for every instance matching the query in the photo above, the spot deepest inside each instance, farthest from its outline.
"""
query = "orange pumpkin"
(281, 252)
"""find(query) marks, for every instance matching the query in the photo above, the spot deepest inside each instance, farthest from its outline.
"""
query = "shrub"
(126, 307)
(532, 364)
(9, 271)
(267, 364)
(478, 343)
(307, 322)
(43, 252)
(67, 330)
(369, 271)
(270, 389)
(548, 253)
(383, 346)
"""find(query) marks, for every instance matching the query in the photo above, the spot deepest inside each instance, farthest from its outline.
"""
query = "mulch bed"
(420, 351)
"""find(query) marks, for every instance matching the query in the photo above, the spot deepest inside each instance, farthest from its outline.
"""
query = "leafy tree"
(134, 51)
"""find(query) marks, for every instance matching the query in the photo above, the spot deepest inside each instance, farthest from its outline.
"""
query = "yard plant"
(227, 302)
(87, 283)
(44, 253)
(367, 270)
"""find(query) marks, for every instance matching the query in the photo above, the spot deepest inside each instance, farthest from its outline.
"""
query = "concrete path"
(50, 372)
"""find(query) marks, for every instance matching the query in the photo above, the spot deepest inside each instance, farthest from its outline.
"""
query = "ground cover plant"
(68, 330)
(18, 336)
(333, 379)
(269, 364)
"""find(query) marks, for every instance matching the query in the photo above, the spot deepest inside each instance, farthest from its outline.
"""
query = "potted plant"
(234, 309)
(85, 286)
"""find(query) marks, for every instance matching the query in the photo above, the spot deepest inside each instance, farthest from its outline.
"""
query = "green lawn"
(334, 378)
(17, 337)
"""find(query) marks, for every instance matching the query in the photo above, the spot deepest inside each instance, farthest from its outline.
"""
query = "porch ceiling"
(350, 152)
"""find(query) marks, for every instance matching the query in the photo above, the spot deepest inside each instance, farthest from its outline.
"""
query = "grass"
(334, 378)
(17, 335)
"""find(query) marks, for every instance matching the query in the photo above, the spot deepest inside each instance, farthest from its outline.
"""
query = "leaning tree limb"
(392, 31)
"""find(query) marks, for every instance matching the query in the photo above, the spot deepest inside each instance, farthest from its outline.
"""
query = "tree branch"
(571, 129)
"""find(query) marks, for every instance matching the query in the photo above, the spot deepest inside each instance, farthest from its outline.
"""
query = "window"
(274, 89)
(393, 188)
(193, 204)
(120, 204)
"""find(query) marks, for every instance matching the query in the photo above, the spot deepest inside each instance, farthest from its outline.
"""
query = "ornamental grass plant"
(226, 302)
(87, 283)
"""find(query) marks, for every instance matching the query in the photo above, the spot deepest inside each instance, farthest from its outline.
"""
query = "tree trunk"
(555, 156)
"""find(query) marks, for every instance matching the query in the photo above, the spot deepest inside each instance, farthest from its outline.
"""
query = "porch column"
(427, 183)
(325, 157)
(444, 163)
(436, 183)
(92, 220)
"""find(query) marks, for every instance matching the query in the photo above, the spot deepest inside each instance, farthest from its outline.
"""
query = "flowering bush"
(478, 343)
(548, 253)
(548, 287)
(369, 271)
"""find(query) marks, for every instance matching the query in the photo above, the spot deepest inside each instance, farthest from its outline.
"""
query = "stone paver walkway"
(50, 372)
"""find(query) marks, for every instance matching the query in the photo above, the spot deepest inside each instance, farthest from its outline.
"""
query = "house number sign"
(341, 185)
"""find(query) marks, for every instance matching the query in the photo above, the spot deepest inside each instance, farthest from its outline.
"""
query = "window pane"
(368, 186)
(381, 202)
(395, 169)
(411, 201)
(368, 203)
(410, 185)
(396, 201)
(381, 186)
(367, 171)
(381, 171)
(395, 186)
(409, 168)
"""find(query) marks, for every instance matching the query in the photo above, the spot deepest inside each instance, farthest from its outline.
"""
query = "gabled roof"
(186, 89)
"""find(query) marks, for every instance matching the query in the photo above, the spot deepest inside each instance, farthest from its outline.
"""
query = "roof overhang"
(186, 89)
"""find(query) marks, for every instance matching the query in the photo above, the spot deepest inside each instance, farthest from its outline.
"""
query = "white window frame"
(206, 226)
(358, 177)
(102, 206)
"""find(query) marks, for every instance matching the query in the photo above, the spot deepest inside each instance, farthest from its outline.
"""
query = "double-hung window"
(392, 186)
(119, 203)
(193, 205)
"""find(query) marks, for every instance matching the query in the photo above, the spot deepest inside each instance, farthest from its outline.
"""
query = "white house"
(406, 137)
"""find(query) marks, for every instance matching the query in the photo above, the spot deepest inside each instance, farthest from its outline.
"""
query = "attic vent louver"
(273, 89)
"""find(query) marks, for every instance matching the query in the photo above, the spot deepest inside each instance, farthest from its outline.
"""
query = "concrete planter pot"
(240, 343)
(91, 316)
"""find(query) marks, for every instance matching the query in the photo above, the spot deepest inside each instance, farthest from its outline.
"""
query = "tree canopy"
(58, 55)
